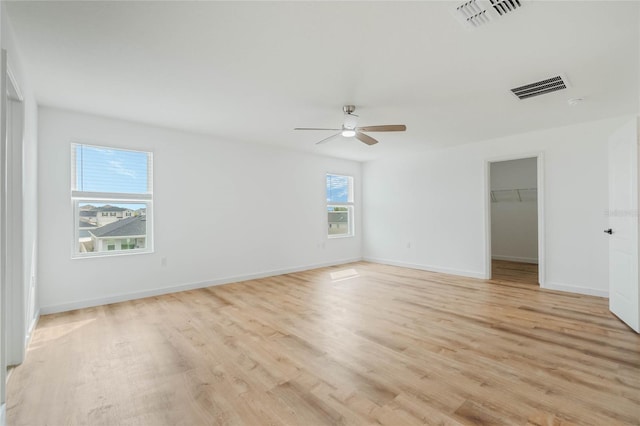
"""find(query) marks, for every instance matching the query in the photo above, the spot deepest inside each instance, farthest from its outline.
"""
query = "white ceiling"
(252, 71)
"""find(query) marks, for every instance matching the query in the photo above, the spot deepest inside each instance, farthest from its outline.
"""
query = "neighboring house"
(109, 214)
(89, 216)
(338, 223)
(125, 234)
(84, 237)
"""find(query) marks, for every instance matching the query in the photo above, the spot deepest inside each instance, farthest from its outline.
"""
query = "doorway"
(14, 274)
(514, 227)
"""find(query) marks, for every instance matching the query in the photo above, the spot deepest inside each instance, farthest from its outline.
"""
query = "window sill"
(107, 254)
(337, 237)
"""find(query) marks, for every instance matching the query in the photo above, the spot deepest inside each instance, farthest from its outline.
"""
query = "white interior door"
(624, 300)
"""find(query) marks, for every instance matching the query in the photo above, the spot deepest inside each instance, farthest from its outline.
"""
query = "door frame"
(15, 302)
(539, 156)
(3, 230)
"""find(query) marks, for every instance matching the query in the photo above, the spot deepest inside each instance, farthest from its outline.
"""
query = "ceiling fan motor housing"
(349, 109)
(350, 120)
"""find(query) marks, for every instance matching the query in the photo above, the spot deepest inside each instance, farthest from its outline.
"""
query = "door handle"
(608, 231)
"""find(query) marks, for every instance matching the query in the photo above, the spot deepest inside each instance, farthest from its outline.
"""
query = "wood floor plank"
(353, 344)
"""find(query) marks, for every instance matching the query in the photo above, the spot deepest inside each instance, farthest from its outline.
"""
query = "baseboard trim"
(430, 268)
(515, 259)
(64, 307)
(575, 289)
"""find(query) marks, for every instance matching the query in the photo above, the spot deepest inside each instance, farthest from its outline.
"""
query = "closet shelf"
(514, 195)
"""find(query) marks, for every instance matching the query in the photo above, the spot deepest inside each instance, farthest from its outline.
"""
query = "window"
(339, 206)
(111, 192)
(128, 244)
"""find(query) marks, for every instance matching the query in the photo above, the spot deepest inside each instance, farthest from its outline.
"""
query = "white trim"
(32, 328)
(575, 289)
(52, 309)
(113, 253)
(515, 259)
(430, 268)
(16, 93)
(111, 196)
(3, 414)
(487, 210)
(542, 275)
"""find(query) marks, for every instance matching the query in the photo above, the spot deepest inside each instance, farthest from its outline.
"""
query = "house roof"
(129, 227)
(110, 209)
(88, 213)
(83, 223)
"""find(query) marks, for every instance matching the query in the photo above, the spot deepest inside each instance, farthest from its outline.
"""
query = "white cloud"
(117, 167)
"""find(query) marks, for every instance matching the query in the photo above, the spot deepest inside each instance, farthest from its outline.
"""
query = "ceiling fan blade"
(325, 140)
(384, 128)
(365, 138)
(314, 128)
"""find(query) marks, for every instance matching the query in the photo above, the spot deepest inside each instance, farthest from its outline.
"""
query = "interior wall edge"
(575, 289)
(429, 268)
(32, 328)
(89, 303)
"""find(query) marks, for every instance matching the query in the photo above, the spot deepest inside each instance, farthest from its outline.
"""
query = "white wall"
(18, 321)
(514, 219)
(218, 212)
(427, 210)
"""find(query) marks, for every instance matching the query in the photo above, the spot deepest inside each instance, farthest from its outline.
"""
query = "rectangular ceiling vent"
(475, 13)
(505, 6)
(541, 87)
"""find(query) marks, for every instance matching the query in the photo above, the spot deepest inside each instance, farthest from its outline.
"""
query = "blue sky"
(110, 170)
(337, 188)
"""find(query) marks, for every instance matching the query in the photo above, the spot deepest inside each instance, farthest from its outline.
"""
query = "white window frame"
(350, 205)
(87, 197)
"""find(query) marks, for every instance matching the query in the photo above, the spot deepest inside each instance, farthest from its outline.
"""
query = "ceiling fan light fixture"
(351, 129)
(350, 121)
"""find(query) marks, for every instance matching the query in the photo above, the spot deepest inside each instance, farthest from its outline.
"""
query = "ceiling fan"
(350, 128)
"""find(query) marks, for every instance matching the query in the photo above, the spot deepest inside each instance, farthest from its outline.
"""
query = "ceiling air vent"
(472, 13)
(541, 87)
(475, 13)
(505, 6)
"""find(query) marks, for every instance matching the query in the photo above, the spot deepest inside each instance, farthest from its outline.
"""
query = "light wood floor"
(355, 344)
(523, 273)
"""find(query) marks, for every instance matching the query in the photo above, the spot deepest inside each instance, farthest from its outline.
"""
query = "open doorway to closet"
(514, 249)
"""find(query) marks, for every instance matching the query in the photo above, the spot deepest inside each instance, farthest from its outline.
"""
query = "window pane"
(124, 227)
(338, 220)
(110, 170)
(338, 189)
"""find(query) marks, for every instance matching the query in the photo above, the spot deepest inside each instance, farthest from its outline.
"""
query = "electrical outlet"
(409, 245)
(163, 261)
